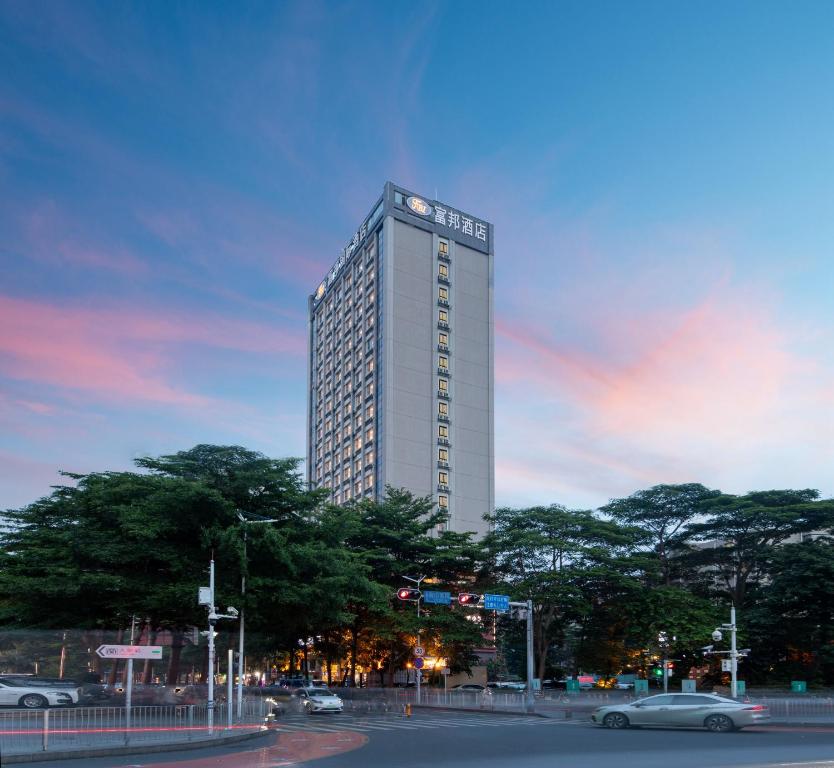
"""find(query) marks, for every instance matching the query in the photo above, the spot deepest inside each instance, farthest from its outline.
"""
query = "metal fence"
(52, 730)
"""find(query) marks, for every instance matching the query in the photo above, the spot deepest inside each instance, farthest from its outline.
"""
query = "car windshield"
(320, 692)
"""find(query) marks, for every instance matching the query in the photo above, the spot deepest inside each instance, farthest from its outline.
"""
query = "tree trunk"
(354, 647)
(147, 672)
(114, 671)
(173, 673)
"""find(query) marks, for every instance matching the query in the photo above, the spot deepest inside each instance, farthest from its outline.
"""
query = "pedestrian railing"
(53, 730)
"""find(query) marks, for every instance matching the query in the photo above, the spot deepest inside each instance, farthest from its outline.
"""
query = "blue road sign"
(497, 602)
(419, 662)
(440, 598)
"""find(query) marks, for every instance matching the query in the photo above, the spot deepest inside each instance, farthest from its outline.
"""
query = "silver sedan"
(683, 710)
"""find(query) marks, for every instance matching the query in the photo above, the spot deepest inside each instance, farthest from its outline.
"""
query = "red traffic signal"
(468, 598)
(407, 593)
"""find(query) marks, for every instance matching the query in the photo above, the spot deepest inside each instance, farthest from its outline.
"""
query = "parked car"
(684, 710)
(37, 693)
(317, 699)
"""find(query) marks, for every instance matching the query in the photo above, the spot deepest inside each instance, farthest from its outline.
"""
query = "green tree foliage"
(663, 513)
(554, 556)
(740, 533)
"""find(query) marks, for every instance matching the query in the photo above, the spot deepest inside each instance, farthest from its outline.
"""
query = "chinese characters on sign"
(458, 221)
(347, 251)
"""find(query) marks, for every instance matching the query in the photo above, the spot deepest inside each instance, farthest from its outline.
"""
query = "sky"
(175, 179)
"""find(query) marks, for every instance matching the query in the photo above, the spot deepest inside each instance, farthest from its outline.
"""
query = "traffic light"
(468, 598)
(408, 593)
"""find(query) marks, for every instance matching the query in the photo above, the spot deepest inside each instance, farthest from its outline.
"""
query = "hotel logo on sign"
(419, 206)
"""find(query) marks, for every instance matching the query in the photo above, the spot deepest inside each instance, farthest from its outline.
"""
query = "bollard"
(45, 730)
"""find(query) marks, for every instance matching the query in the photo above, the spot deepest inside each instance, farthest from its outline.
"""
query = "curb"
(68, 754)
(478, 710)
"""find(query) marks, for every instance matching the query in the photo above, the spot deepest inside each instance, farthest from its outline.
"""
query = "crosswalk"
(330, 723)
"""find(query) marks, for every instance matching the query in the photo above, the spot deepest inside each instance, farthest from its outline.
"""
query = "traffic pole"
(129, 684)
(212, 610)
(733, 654)
(530, 672)
(229, 682)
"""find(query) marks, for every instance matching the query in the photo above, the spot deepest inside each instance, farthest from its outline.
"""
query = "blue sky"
(176, 177)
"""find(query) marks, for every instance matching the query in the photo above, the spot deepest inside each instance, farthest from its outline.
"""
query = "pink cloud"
(716, 392)
(122, 354)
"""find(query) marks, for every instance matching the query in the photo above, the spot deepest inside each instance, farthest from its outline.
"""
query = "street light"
(240, 669)
(733, 653)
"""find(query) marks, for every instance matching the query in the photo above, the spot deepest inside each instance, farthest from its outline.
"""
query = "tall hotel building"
(401, 361)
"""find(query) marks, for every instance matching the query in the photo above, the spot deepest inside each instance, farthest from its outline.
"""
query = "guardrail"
(48, 730)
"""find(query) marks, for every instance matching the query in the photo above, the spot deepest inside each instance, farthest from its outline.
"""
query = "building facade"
(401, 363)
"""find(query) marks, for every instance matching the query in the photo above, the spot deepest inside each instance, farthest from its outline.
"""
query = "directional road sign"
(497, 602)
(440, 598)
(418, 662)
(419, 650)
(130, 651)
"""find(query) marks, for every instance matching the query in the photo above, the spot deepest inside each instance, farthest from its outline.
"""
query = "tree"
(791, 624)
(547, 555)
(663, 512)
(740, 532)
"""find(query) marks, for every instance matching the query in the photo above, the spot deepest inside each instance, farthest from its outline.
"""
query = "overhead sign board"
(497, 602)
(129, 651)
(439, 598)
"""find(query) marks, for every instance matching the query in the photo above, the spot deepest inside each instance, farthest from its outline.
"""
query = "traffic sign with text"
(439, 598)
(129, 651)
(419, 650)
(497, 602)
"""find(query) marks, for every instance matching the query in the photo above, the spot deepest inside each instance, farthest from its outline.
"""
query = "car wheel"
(719, 723)
(33, 701)
(615, 720)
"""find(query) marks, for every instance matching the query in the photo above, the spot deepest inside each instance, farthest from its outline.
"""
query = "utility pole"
(530, 673)
(206, 597)
(241, 669)
(529, 694)
(733, 654)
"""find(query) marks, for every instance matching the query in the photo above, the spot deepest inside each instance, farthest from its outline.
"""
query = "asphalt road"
(457, 740)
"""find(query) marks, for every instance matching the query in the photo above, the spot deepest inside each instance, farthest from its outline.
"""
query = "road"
(436, 739)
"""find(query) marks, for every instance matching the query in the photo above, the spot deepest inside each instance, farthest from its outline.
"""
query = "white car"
(319, 700)
(33, 694)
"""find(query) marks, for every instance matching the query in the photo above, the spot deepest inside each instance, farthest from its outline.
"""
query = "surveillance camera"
(232, 611)
(717, 635)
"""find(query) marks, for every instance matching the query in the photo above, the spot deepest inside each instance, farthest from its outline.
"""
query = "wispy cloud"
(123, 354)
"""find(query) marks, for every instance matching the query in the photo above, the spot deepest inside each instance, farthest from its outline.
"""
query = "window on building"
(442, 430)
(369, 482)
(443, 477)
(443, 293)
(442, 270)
(443, 338)
(369, 458)
(443, 247)
(357, 443)
(357, 488)
(443, 501)
(443, 385)
(369, 412)
(443, 361)
(370, 366)
(369, 390)
(369, 434)
(443, 409)
(443, 454)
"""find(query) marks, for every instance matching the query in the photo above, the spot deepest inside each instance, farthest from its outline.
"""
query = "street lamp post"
(213, 617)
(240, 663)
(733, 653)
